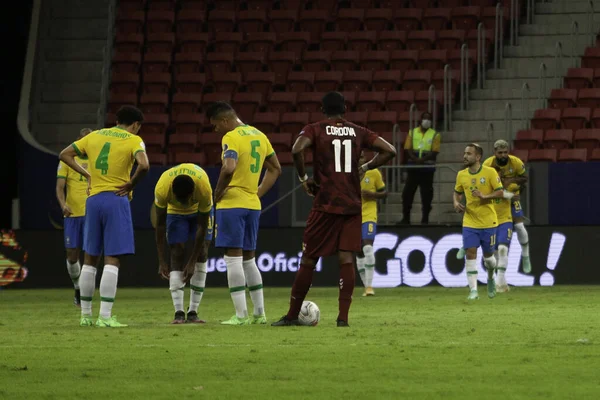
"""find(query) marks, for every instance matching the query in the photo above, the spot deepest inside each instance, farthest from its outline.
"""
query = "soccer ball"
(309, 314)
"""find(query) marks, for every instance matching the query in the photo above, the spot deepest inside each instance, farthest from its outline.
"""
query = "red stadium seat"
(190, 123)
(316, 61)
(361, 40)
(391, 40)
(357, 80)
(260, 82)
(157, 158)
(333, 41)
(266, 122)
(349, 19)
(293, 122)
(327, 5)
(282, 102)
(190, 83)
(185, 103)
(193, 42)
(563, 98)
(228, 42)
(315, 117)
(377, 19)
(416, 80)
(450, 39)
(262, 5)
(344, 60)
(572, 155)
(349, 99)
(248, 62)
(404, 120)
(595, 119)
(285, 158)
(313, 21)
(247, 104)
(300, 82)
(182, 143)
(546, 119)
(437, 79)
(522, 155)
(124, 83)
(209, 98)
(162, 5)
(588, 98)
(421, 3)
(328, 81)
(421, 40)
(117, 100)
(219, 62)
(220, 21)
(454, 57)
(529, 139)
(126, 63)
(281, 141)
(132, 5)
(558, 139)
(407, 19)
(154, 103)
(156, 123)
(364, 4)
(382, 121)
(154, 142)
(111, 120)
(261, 41)
(400, 101)
(156, 83)
(436, 19)
(432, 60)
(596, 78)
(283, 20)
(451, 3)
(374, 60)
(160, 21)
(595, 155)
(466, 18)
(296, 42)
(422, 100)
(156, 63)
(196, 158)
(543, 155)
(587, 139)
(575, 118)
(226, 82)
(281, 63)
(357, 117)
(187, 63)
(387, 80)
(591, 58)
(404, 60)
(310, 102)
(160, 42)
(129, 43)
(130, 22)
(370, 101)
(251, 20)
(579, 78)
(190, 21)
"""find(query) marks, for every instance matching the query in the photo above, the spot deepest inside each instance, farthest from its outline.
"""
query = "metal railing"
(447, 103)
(412, 123)
(558, 63)
(432, 104)
(530, 11)
(508, 132)
(464, 77)
(106, 67)
(542, 101)
(574, 44)
(489, 132)
(514, 21)
(480, 55)
(591, 31)
(525, 121)
(499, 36)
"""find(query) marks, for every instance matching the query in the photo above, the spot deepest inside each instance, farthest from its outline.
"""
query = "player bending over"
(334, 222)
(372, 189)
(237, 197)
(73, 208)
(482, 186)
(184, 212)
(108, 227)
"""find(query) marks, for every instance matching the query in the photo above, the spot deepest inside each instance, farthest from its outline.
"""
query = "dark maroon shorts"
(326, 234)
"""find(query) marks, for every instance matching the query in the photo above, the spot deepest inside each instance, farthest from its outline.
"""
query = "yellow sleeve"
(494, 180)
(80, 146)
(161, 192)
(488, 162)
(458, 187)
(205, 195)
(520, 166)
(437, 140)
(379, 183)
(137, 145)
(270, 150)
(408, 141)
(230, 147)
(63, 170)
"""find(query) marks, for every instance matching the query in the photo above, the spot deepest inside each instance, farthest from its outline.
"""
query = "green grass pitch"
(405, 343)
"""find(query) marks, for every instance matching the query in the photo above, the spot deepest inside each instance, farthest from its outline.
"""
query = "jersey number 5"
(254, 168)
(337, 150)
(102, 160)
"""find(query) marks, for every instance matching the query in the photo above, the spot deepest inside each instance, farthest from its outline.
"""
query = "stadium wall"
(405, 257)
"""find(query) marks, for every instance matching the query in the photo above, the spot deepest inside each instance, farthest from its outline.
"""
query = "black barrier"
(414, 257)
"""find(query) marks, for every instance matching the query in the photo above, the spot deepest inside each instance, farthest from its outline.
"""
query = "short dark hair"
(333, 103)
(478, 148)
(183, 187)
(128, 115)
(216, 108)
(424, 114)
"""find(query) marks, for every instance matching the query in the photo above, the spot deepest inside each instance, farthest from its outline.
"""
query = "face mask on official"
(426, 122)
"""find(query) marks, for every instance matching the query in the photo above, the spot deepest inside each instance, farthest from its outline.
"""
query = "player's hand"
(219, 196)
(89, 185)
(188, 271)
(477, 193)
(367, 195)
(66, 211)
(163, 270)
(124, 189)
(459, 208)
(310, 187)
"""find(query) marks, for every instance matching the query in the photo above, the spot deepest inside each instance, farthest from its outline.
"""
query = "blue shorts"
(504, 234)
(369, 230)
(182, 228)
(237, 228)
(486, 238)
(74, 232)
(517, 210)
(108, 225)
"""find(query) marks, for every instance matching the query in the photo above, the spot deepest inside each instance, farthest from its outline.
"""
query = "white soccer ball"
(309, 314)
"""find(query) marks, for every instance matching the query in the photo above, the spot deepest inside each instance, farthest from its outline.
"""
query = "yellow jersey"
(251, 148)
(76, 186)
(513, 168)
(201, 198)
(372, 182)
(111, 153)
(479, 214)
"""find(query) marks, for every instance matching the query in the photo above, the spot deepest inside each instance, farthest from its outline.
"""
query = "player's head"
(501, 152)
(426, 119)
(130, 118)
(183, 188)
(222, 116)
(84, 132)
(473, 154)
(333, 104)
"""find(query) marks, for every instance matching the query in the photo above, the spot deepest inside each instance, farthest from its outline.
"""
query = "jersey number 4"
(102, 160)
(337, 150)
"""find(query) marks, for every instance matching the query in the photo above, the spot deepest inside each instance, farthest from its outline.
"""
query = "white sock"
(74, 272)
(255, 286)
(176, 287)
(360, 265)
(502, 263)
(237, 285)
(87, 285)
(523, 238)
(490, 264)
(108, 289)
(369, 264)
(197, 286)
(471, 267)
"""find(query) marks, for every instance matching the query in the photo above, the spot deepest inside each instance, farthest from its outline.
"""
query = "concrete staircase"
(67, 92)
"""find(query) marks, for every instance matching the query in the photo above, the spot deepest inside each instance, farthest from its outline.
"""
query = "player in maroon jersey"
(334, 223)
